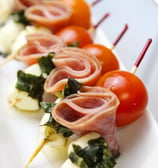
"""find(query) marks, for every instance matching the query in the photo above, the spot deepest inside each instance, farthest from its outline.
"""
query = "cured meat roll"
(92, 109)
(23, 4)
(39, 44)
(51, 14)
(75, 63)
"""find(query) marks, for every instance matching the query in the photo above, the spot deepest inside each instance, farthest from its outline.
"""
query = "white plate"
(156, 1)
(20, 131)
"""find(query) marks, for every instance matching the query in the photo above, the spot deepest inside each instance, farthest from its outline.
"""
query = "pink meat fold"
(39, 44)
(76, 63)
(51, 14)
(24, 4)
(92, 109)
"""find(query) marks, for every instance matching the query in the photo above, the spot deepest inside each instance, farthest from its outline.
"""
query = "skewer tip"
(141, 56)
(105, 16)
(120, 35)
(37, 150)
(95, 2)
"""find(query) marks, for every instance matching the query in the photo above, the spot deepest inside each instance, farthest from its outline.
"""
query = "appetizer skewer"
(106, 57)
(80, 34)
(44, 141)
(75, 123)
(107, 109)
(133, 105)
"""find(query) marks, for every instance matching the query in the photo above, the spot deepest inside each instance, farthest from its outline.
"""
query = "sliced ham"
(76, 63)
(51, 14)
(23, 4)
(37, 45)
(92, 109)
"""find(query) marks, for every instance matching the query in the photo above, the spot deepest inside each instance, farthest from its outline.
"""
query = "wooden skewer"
(13, 103)
(13, 56)
(37, 150)
(119, 37)
(9, 58)
(95, 2)
(101, 20)
(141, 56)
(94, 27)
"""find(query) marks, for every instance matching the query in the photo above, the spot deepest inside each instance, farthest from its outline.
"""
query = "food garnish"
(19, 17)
(31, 84)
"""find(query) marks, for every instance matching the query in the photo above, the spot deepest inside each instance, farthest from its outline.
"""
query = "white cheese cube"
(6, 9)
(21, 40)
(21, 99)
(82, 142)
(8, 34)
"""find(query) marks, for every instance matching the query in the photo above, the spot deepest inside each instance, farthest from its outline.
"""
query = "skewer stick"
(141, 56)
(13, 56)
(13, 103)
(9, 58)
(93, 27)
(37, 150)
(101, 20)
(95, 2)
(119, 37)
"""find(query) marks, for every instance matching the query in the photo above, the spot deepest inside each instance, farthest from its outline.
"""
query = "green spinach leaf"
(31, 84)
(72, 87)
(46, 63)
(19, 17)
(75, 44)
(3, 54)
(96, 155)
(60, 129)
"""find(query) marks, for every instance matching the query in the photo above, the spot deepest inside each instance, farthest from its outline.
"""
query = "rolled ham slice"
(92, 109)
(23, 4)
(39, 44)
(76, 63)
(51, 14)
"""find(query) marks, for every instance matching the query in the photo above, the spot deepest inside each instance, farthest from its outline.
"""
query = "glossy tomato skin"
(73, 34)
(107, 58)
(81, 13)
(131, 92)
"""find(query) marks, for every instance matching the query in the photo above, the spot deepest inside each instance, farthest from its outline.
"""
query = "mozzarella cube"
(21, 99)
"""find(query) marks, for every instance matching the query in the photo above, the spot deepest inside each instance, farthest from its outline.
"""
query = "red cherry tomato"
(131, 92)
(81, 13)
(106, 57)
(73, 34)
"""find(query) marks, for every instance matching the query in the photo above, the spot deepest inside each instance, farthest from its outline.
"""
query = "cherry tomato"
(131, 92)
(81, 14)
(73, 34)
(106, 57)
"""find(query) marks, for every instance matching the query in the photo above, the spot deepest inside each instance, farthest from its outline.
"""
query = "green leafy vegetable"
(19, 17)
(47, 107)
(96, 155)
(31, 84)
(3, 54)
(46, 63)
(60, 129)
(72, 87)
(75, 44)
